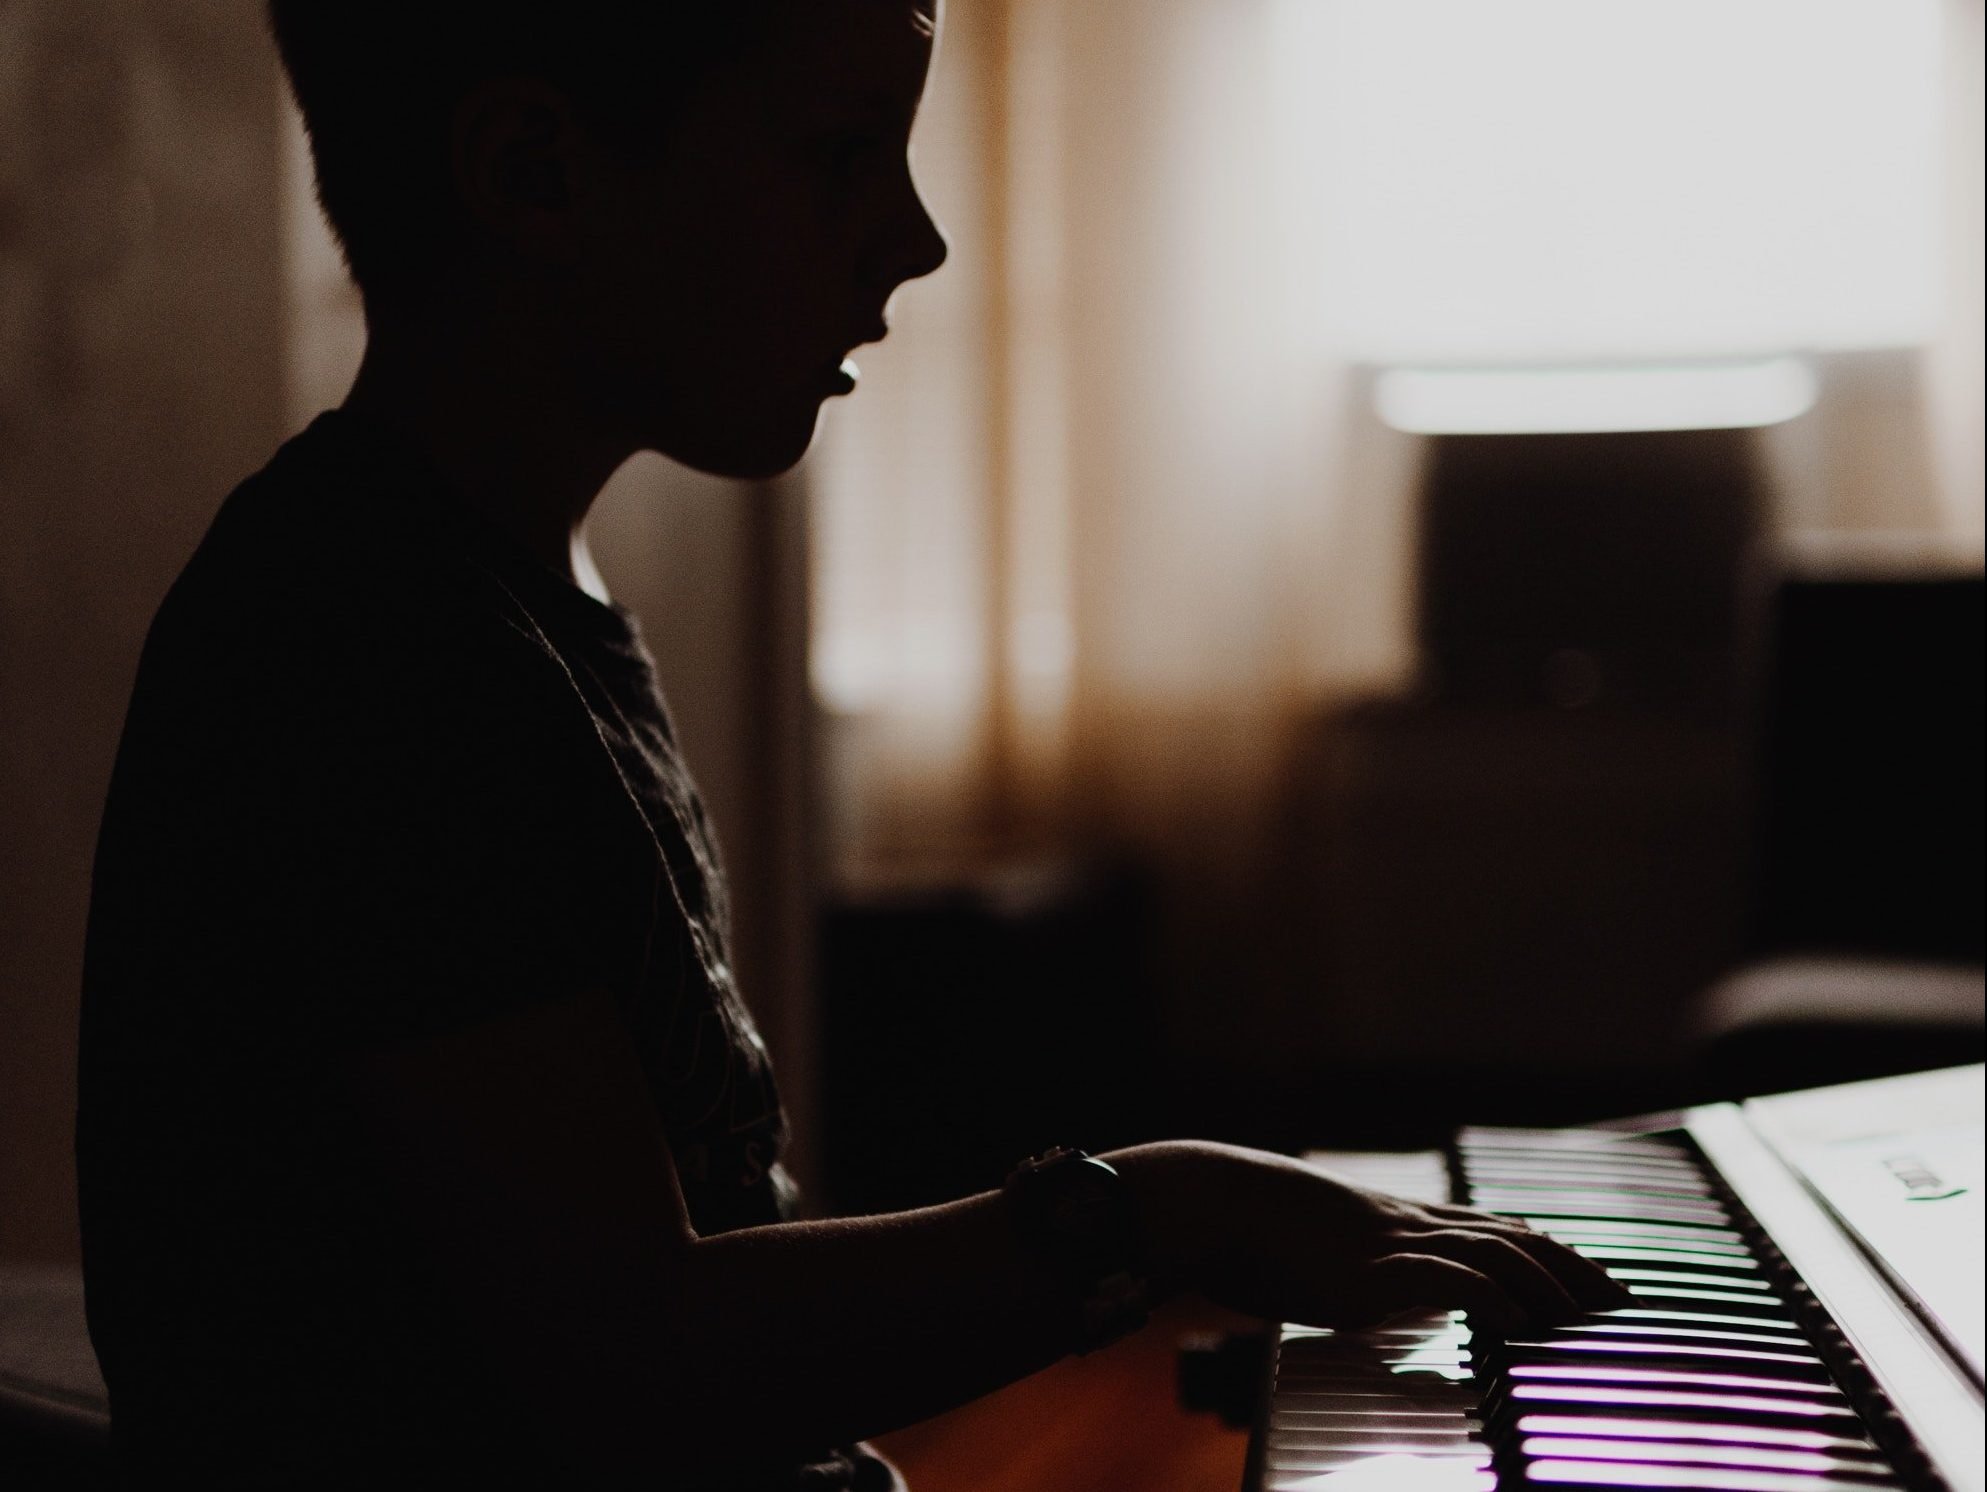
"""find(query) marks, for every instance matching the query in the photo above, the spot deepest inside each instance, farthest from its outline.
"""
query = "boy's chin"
(748, 455)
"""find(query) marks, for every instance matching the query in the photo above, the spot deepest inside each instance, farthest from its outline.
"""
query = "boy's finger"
(1544, 1297)
(1588, 1281)
(1405, 1282)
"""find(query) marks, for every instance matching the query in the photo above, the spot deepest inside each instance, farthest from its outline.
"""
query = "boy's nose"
(922, 246)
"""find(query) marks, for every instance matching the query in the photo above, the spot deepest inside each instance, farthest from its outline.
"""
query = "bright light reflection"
(1542, 401)
(1399, 1473)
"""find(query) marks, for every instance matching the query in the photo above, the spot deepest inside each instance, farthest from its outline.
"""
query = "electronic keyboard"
(1808, 1317)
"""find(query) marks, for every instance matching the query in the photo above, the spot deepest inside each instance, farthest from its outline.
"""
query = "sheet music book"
(1899, 1163)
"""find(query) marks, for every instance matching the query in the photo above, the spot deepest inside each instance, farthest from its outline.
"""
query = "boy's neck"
(499, 424)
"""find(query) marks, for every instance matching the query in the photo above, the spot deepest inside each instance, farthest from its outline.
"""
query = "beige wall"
(140, 378)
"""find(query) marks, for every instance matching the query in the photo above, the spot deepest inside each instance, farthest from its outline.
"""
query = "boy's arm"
(533, 1166)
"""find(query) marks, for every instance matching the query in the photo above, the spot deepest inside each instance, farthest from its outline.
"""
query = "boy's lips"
(842, 378)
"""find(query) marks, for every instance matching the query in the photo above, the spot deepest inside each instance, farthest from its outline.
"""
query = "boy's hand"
(1276, 1238)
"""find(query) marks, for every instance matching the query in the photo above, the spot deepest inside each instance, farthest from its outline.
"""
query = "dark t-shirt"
(382, 776)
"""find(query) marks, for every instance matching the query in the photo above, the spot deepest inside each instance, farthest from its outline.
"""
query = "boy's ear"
(513, 156)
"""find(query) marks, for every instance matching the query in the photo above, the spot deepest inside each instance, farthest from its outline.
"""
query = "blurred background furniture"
(1865, 926)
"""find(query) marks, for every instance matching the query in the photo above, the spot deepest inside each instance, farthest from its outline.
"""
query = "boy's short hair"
(378, 81)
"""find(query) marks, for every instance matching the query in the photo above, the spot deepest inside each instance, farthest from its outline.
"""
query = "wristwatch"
(1074, 1213)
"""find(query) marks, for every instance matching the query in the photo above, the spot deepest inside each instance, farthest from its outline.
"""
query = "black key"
(1705, 1335)
(1768, 1323)
(1698, 1278)
(1625, 1402)
(1603, 1172)
(1618, 1188)
(1697, 1243)
(1427, 1443)
(1714, 1265)
(1599, 1205)
(1495, 1173)
(1474, 1142)
(1432, 1388)
(1661, 1293)
(1328, 1419)
(1672, 1235)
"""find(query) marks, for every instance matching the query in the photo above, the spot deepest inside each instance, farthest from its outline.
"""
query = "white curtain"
(1075, 535)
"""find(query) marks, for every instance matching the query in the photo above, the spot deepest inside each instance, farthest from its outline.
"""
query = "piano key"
(1510, 1194)
(1521, 1398)
(1728, 1301)
(1756, 1322)
(1683, 1178)
(1598, 1206)
(1676, 1235)
(1404, 1359)
(1327, 1471)
(1320, 1413)
(1612, 1253)
(1630, 1275)
(1593, 1204)
(1672, 1155)
(1596, 1348)
(1356, 1460)
(1602, 1181)
(1376, 1367)
(1374, 1351)
(1679, 1429)
(1407, 1329)
(1316, 1399)
(1503, 1401)
(1429, 1394)
(1472, 1141)
(1809, 1373)
(1706, 1334)
(1432, 1388)
(1342, 1409)
(1669, 1378)
(1374, 1442)
(1698, 1251)
(1484, 1195)
(1765, 1458)
(1370, 1350)
(1596, 1160)
(1354, 1457)
(1612, 1474)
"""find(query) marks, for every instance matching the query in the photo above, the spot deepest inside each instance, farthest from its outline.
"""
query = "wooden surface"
(1109, 1422)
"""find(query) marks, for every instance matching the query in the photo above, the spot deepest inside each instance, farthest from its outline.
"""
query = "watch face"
(1085, 1211)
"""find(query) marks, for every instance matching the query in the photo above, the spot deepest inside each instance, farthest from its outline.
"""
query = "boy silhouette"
(424, 1137)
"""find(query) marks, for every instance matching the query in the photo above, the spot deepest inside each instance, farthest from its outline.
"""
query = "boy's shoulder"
(339, 553)
(335, 621)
